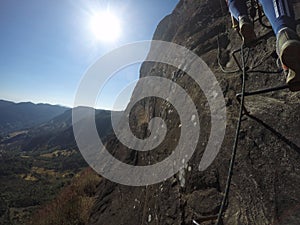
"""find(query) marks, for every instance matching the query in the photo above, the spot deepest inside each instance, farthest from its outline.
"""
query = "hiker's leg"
(239, 11)
(280, 14)
(282, 18)
(237, 8)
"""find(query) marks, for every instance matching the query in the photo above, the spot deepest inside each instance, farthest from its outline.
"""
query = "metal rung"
(265, 72)
(263, 91)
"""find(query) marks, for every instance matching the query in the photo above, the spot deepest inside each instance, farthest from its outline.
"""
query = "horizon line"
(56, 104)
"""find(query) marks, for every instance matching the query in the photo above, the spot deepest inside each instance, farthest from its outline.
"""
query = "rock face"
(266, 179)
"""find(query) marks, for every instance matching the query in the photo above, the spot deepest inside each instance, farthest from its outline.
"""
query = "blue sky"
(47, 45)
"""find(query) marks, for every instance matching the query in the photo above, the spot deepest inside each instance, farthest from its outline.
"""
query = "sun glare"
(105, 26)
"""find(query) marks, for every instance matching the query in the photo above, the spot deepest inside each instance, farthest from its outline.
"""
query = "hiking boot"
(288, 50)
(246, 30)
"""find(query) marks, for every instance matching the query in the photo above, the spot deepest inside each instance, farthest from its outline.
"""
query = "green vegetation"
(73, 205)
(29, 179)
(38, 162)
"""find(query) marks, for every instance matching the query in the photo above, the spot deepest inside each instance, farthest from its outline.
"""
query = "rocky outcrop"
(266, 180)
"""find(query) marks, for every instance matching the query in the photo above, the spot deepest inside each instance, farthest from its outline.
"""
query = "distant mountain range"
(39, 154)
(31, 127)
(19, 116)
(59, 131)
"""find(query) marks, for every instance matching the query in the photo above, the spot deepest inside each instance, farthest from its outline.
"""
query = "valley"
(38, 162)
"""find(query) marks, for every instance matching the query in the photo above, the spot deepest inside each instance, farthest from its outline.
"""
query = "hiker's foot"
(288, 50)
(246, 30)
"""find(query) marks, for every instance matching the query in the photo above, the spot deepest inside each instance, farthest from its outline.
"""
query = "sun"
(105, 26)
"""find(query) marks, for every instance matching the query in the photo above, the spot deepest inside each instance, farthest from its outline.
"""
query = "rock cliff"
(266, 179)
